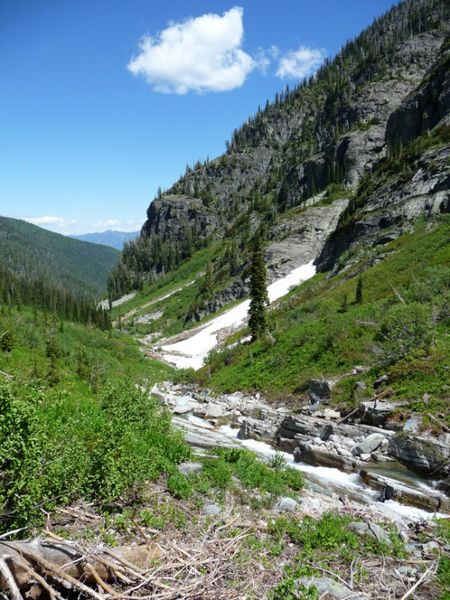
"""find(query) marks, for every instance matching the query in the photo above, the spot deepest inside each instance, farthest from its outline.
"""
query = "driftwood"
(56, 566)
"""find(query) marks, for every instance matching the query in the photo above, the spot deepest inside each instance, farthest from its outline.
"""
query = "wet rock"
(323, 458)
(210, 509)
(257, 429)
(184, 404)
(370, 444)
(370, 530)
(413, 424)
(404, 493)
(190, 468)
(286, 504)
(329, 588)
(214, 411)
(320, 389)
(424, 455)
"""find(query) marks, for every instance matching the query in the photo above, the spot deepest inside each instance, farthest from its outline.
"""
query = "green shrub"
(218, 472)
(406, 327)
(55, 448)
(179, 485)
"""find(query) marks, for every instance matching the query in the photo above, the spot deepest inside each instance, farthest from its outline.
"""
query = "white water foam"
(340, 481)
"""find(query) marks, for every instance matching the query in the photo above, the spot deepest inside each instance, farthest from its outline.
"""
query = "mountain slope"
(30, 252)
(114, 239)
(312, 146)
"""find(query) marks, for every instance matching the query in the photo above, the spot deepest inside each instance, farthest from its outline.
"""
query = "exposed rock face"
(300, 239)
(298, 146)
(425, 455)
(425, 108)
(170, 217)
(421, 188)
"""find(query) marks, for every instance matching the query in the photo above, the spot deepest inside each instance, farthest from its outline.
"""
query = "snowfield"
(192, 352)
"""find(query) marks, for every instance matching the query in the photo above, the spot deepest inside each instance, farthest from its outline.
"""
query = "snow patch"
(192, 352)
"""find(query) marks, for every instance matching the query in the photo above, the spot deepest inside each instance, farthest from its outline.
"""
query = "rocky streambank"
(345, 455)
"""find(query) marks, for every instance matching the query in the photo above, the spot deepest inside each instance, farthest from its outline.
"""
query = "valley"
(252, 398)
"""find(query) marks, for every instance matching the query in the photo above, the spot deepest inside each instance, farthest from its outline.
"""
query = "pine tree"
(359, 291)
(258, 292)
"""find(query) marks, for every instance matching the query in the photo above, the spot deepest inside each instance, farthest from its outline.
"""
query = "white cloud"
(201, 54)
(75, 227)
(51, 222)
(264, 56)
(300, 63)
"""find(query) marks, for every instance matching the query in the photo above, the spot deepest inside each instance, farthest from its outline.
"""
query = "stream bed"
(210, 422)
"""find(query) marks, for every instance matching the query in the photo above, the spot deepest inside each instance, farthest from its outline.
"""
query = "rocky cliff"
(342, 134)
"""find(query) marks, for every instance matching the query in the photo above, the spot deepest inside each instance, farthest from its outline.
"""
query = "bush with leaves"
(55, 448)
(404, 329)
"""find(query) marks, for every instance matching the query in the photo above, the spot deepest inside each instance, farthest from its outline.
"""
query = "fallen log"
(55, 566)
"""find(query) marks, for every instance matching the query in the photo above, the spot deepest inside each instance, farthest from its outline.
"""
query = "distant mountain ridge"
(30, 252)
(111, 238)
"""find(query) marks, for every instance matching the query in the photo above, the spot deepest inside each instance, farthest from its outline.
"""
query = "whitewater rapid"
(192, 351)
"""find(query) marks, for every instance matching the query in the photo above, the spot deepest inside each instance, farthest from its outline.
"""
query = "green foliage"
(444, 573)
(255, 474)
(179, 485)
(56, 448)
(405, 328)
(70, 266)
(7, 341)
(315, 336)
(329, 533)
(258, 292)
(289, 589)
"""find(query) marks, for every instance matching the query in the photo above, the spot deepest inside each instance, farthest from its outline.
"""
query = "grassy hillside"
(400, 327)
(31, 252)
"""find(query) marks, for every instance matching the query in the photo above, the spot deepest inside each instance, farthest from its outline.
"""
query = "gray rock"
(184, 404)
(214, 411)
(370, 444)
(320, 388)
(210, 509)
(286, 504)
(425, 455)
(430, 547)
(190, 468)
(413, 424)
(330, 587)
(372, 530)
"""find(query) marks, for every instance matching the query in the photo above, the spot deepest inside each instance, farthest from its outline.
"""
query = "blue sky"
(102, 101)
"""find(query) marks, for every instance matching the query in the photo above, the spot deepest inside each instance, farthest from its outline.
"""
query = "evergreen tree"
(359, 291)
(258, 292)
(207, 285)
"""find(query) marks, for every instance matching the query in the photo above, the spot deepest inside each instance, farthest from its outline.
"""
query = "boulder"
(377, 412)
(322, 458)
(210, 509)
(363, 529)
(190, 468)
(329, 588)
(286, 504)
(429, 501)
(320, 389)
(214, 411)
(424, 455)
(184, 404)
(370, 444)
